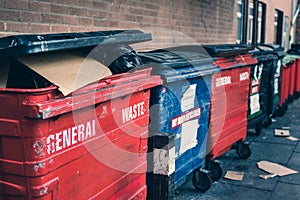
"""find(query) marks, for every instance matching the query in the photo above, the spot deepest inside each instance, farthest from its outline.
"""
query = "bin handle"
(10, 188)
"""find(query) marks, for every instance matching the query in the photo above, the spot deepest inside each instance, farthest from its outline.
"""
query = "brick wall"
(170, 21)
(284, 6)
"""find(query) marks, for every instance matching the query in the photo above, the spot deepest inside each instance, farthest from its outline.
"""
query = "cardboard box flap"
(274, 168)
(68, 71)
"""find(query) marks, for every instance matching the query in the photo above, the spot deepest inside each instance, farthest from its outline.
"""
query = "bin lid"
(263, 53)
(273, 48)
(176, 64)
(289, 58)
(294, 51)
(227, 50)
(28, 44)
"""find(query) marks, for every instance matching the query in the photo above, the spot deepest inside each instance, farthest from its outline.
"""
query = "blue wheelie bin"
(179, 115)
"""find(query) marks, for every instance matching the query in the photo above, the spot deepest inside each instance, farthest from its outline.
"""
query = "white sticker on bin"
(276, 86)
(188, 98)
(254, 104)
(164, 161)
(189, 135)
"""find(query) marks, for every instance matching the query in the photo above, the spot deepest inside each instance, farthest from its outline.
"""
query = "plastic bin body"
(273, 85)
(229, 104)
(55, 147)
(179, 119)
(90, 144)
(289, 79)
(297, 78)
(264, 90)
(293, 70)
(283, 85)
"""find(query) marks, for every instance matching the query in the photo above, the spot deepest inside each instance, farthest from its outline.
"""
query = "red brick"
(39, 28)
(101, 22)
(2, 26)
(17, 27)
(78, 11)
(65, 2)
(115, 15)
(113, 24)
(85, 3)
(100, 5)
(11, 15)
(60, 9)
(17, 4)
(86, 21)
(59, 28)
(96, 13)
(43, 7)
(77, 29)
(51, 19)
(30, 16)
(70, 20)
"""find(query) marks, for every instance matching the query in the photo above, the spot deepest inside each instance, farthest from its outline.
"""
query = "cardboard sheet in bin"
(68, 71)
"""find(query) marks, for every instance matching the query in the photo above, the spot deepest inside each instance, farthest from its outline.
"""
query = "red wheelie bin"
(289, 82)
(88, 144)
(229, 103)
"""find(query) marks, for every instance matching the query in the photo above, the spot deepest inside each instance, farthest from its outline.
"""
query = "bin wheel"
(267, 122)
(296, 95)
(215, 170)
(243, 150)
(258, 129)
(201, 180)
(280, 112)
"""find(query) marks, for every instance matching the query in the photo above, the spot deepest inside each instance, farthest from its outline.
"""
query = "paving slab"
(251, 175)
(297, 149)
(291, 179)
(286, 191)
(267, 136)
(222, 191)
(279, 153)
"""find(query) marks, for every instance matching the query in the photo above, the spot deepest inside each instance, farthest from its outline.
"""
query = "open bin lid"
(56, 62)
(175, 64)
(227, 50)
(28, 44)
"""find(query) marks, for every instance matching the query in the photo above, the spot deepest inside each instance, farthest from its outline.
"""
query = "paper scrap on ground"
(232, 175)
(274, 168)
(282, 133)
(292, 138)
(267, 176)
(69, 72)
(274, 120)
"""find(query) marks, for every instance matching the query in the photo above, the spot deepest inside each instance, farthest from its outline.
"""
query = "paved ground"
(264, 147)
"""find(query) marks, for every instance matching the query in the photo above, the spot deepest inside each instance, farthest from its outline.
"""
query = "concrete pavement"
(264, 147)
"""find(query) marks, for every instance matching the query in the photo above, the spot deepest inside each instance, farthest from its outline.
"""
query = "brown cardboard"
(232, 175)
(267, 176)
(66, 70)
(282, 133)
(292, 138)
(4, 70)
(274, 168)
